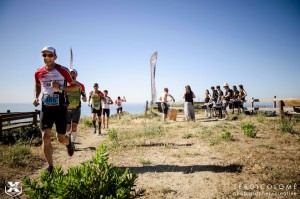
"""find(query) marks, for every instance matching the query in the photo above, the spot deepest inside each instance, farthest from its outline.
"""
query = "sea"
(133, 108)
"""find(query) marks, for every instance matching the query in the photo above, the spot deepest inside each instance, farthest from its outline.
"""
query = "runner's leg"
(47, 146)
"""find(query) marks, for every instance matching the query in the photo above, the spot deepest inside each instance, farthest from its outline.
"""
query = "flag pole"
(71, 58)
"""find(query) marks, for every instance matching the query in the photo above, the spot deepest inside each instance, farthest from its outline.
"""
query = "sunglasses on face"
(48, 55)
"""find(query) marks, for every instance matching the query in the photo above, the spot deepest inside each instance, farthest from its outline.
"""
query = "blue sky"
(199, 43)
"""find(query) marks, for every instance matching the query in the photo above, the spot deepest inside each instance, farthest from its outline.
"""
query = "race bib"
(51, 100)
(96, 106)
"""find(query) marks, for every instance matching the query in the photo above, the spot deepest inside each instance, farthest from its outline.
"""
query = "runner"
(118, 104)
(74, 108)
(106, 110)
(51, 80)
(95, 98)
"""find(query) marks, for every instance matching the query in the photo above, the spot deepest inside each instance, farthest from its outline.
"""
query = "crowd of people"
(61, 96)
(216, 100)
(232, 98)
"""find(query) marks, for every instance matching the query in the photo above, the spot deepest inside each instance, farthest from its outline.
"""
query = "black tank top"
(188, 97)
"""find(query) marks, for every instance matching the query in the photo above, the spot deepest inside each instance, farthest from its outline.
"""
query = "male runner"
(118, 104)
(106, 110)
(95, 98)
(51, 80)
(74, 108)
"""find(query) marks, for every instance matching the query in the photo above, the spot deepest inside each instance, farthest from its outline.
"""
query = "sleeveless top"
(188, 97)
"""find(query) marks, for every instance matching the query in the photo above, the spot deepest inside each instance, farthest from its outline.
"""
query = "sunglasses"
(48, 55)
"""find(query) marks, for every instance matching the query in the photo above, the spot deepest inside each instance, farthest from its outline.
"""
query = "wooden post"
(0, 127)
(34, 120)
(280, 104)
(252, 105)
(274, 102)
(146, 108)
(8, 112)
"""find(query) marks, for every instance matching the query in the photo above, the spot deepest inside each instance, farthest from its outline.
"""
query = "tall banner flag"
(71, 59)
(152, 67)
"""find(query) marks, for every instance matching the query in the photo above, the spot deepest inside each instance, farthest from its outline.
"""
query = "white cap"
(50, 49)
(73, 70)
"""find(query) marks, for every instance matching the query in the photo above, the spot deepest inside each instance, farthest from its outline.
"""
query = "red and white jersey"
(44, 77)
(118, 102)
(107, 102)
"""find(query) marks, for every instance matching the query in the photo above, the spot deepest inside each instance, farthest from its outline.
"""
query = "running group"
(61, 96)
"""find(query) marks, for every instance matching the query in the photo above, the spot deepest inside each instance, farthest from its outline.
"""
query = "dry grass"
(272, 157)
(179, 159)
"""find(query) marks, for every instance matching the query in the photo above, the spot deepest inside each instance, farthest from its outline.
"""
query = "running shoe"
(70, 147)
(99, 131)
(50, 169)
(95, 131)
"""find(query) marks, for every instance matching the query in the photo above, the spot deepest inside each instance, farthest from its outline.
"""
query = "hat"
(225, 84)
(95, 84)
(50, 49)
(73, 70)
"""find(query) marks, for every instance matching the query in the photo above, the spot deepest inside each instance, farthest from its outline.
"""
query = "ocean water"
(85, 110)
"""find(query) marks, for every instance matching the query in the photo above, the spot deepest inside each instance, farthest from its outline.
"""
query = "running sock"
(94, 123)
(99, 125)
(73, 136)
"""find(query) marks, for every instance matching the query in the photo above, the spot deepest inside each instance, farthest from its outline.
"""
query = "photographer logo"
(13, 189)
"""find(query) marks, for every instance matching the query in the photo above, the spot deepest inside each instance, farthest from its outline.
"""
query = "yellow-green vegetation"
(95, 179)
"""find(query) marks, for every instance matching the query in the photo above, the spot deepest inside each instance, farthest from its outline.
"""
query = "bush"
(22, 135)
(249, 130)
(96, 179)
(286, 126)
(226, 136)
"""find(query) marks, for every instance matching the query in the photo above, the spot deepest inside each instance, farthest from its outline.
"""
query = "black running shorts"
(106, 111)
(98, 112)
(73, 115)
(51, 115)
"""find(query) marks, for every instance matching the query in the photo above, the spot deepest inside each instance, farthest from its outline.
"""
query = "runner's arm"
(37, 92)
(74, 86)
(84, 99)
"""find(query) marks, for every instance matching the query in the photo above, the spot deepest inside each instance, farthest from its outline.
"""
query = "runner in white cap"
(51, 80)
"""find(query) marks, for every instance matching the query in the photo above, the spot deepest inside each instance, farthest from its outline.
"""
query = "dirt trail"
(186, 169)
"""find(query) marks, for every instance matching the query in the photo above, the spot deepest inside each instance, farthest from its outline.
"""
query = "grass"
(272, 157)
(144, 161)
(249, 129)
(19, 156)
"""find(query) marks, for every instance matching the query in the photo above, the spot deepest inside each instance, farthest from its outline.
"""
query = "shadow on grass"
(234, 168)
(91, 148)
(162, 144)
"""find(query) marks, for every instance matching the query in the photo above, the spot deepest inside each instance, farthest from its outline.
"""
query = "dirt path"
(178, 163)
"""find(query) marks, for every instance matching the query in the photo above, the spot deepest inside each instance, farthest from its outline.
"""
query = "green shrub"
(22, 136)
(249, 130)
(286, 126)
(222, 137)
(96, 179)
(226, 136)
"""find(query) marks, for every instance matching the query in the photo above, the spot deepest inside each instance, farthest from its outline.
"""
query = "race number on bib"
(96, 106)
(51, 100)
